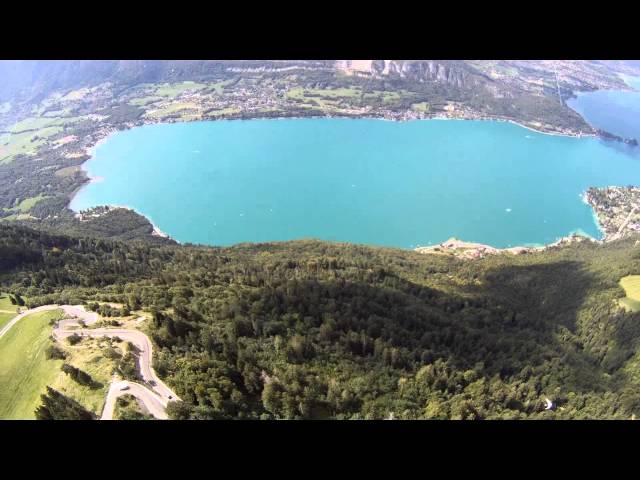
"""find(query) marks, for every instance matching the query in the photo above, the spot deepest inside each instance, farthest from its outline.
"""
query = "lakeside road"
(155, 401)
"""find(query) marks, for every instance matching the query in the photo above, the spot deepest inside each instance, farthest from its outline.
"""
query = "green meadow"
(631, 286)
(24, 370)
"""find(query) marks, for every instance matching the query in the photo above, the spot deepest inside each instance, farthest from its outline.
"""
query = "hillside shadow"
(544, 299)
(549, 293)
(514, 320)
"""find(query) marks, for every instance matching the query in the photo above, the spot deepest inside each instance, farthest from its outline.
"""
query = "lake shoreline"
(156, 231)
(472, 250)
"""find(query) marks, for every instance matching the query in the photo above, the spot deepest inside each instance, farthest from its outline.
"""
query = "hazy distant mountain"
(29, 80)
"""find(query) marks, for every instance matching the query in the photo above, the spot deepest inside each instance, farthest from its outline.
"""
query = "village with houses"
(617, 210)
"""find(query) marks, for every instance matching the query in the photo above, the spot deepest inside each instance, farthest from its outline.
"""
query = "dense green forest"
(311, 329)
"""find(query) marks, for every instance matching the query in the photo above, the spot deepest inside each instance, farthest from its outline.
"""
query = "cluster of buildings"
(617, 210)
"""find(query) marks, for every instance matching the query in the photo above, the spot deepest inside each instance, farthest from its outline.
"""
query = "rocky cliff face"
(450, 72)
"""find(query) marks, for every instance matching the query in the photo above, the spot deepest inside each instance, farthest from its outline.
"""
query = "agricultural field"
(631, 286)
(57, 113)
(172, 109)
(7, 309)
(24, 370)
(421, 107)
(218, 87)
(24, 143)
(223, 111)
(142, 101)
(31, 123)
(39, 123)
(154, 94)
(27, 204)
(68, 171)
(300, 93)
(5, 317)
(387, 97)
(19, 216)
(175, 89)
(76, 94)
(5, 303)
(28, 135)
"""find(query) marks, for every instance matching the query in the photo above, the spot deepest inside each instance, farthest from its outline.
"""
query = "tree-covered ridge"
(311, 329)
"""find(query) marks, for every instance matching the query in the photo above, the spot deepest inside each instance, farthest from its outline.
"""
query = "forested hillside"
(311, 329)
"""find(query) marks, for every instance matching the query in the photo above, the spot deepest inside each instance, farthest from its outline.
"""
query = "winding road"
(151, 401)
(140, 340)
(155, 400)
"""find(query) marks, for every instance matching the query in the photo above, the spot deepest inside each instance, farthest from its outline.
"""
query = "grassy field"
(386, 96)
(302, 93)
(5, 302)
(24, 142)
(27, 204)
(218, 87)
(142, 101)
(5, 317)
(7, 310)
(39, 123)
(223, 111)
(68, 171)
(175, 89)
(172, 109)
(631, 286)
(76, 94)
(57, 113)
(24, 370)
(31, 123)
(421, 107)
(19, 216)
(88, 356)
(28, 135)
(156, 94)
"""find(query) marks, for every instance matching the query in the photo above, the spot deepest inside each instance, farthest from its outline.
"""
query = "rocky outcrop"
(449, 72)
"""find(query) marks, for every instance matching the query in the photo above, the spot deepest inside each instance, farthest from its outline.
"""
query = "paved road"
(141, 341)
(20, 316)
(151, 401)
(71, 310)
(155, 401)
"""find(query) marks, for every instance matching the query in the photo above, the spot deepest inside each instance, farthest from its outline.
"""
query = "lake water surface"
(615, 111)
(363, 181)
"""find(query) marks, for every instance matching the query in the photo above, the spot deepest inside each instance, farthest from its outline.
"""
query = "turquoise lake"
(356, 180)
